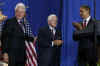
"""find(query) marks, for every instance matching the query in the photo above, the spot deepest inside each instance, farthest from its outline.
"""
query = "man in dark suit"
(14, 36)
(49, 43)
(85, 36)
(2, 19)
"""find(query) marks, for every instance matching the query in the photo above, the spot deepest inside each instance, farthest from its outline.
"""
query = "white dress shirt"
(52, 28)
(54, 31)
(87, 20)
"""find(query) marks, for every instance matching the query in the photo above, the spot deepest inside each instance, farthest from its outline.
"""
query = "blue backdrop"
(67, 12)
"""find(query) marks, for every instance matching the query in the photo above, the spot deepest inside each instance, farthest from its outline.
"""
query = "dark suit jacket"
(13, 41)
(85, 36)
(97, 31)
(48, 55)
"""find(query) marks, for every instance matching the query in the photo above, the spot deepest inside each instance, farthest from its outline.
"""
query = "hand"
(35, 38)
(5, 17)
(2, 18)
(58, 42)
(5, 57)
(77, 26)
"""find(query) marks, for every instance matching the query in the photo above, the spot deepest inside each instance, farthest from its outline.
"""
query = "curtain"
(67, 12)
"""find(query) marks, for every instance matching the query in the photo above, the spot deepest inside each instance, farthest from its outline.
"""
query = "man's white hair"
(50, 16)
(20, 5)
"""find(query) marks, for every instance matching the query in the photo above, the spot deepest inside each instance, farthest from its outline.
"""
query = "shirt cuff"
(52, 43)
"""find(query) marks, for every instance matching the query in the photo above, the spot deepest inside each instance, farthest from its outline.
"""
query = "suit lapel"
(49, 31)
(90, 21)
(18, 26)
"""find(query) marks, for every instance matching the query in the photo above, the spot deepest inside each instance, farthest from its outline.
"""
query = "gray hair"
(20, 5)
(50, 16)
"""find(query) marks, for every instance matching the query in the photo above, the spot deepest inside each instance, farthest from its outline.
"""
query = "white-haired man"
(49, 43)
(13, 37)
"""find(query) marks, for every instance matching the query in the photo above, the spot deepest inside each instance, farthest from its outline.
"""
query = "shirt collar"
(18, 20)
(51, 28)
(87, 19)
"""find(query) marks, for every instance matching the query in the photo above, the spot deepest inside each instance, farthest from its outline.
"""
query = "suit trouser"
(49, 58)
(87, 56)
(14, 62)
(17, 59)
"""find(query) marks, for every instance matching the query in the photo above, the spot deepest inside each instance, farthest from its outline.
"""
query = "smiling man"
(85, 37)
(49, 43)
(13, 37)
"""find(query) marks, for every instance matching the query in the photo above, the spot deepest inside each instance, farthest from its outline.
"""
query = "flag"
(31, 54)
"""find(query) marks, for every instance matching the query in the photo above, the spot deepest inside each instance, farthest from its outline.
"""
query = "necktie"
(84, 24)
(52, 33)
(22, 25)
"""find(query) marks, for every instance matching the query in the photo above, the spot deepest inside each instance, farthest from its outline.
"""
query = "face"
(0, 12)
(53, 21)
(20, 13)
(84, 13)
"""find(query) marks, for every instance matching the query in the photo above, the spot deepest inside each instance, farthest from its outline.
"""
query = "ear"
(25, 15)
(48, 22)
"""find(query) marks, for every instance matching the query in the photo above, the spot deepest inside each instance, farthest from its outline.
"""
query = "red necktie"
(84, 24)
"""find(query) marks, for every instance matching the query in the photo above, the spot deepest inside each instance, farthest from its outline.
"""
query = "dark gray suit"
(13, 42)
(86, 50)
(48, 55)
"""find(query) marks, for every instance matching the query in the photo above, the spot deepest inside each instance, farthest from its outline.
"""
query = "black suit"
(48, 55)
(13, 42)
(87, 51)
